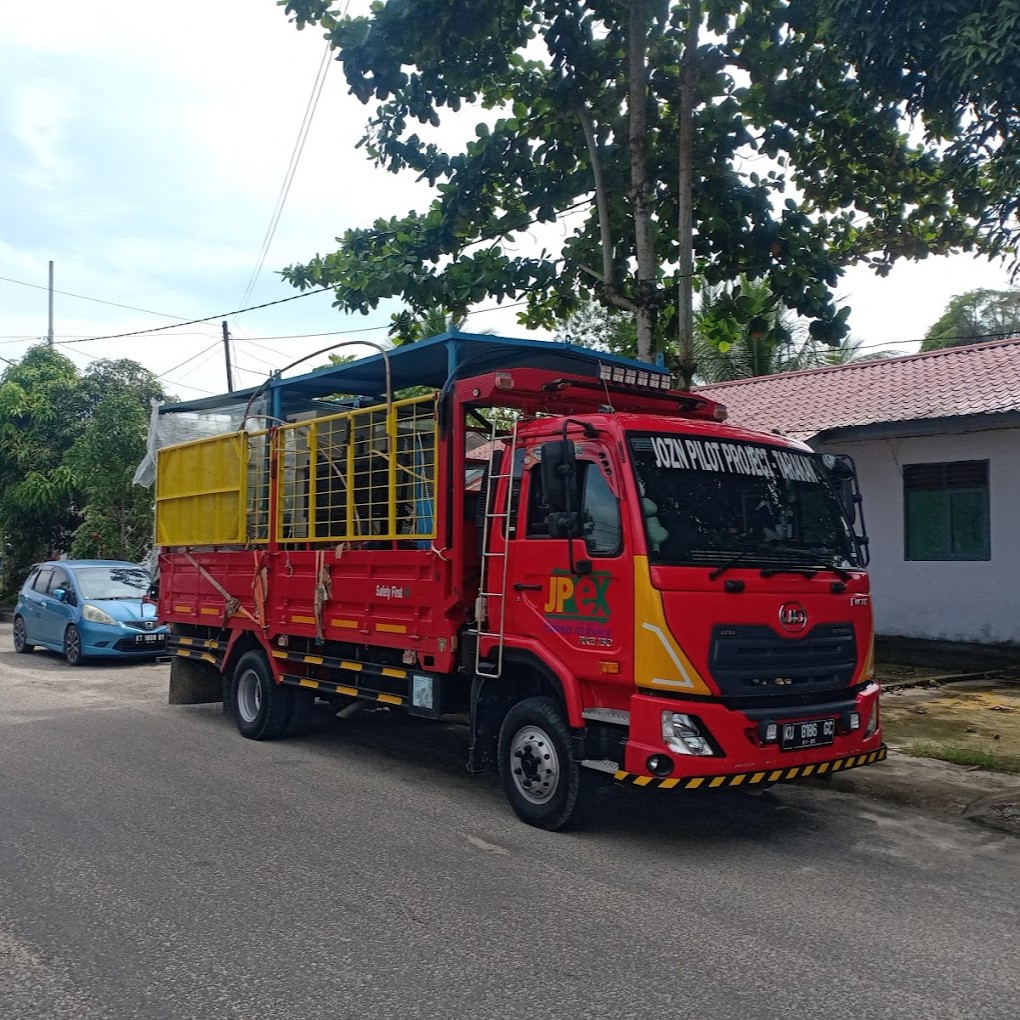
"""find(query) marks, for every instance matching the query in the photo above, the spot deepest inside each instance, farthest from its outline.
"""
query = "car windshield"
(125, 582)
(716, 501)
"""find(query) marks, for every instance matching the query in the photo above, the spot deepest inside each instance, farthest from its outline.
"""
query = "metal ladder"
(492, 581)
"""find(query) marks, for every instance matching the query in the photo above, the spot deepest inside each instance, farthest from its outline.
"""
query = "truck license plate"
(816, 733)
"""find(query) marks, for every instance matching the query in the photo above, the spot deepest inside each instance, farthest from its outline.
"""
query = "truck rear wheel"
(546, 787)
(262, 707)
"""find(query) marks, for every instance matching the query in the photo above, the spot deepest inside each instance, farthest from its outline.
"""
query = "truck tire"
(546, 787)
(21, 645)
(262, 707)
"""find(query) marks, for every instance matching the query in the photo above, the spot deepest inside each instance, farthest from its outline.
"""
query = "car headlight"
(680, 733)
(95, 615)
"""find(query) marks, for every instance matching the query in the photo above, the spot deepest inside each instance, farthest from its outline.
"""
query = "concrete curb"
(990, 799)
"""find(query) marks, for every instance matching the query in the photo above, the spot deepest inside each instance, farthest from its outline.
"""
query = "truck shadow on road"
(395, 744)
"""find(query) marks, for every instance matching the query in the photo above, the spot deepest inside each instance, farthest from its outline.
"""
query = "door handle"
(527, 587)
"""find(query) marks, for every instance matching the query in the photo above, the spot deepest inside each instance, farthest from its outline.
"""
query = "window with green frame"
(946, 511)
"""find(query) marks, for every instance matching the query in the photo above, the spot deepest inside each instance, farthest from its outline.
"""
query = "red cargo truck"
(605, 579)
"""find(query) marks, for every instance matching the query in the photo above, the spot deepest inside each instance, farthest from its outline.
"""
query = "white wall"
(951, 600)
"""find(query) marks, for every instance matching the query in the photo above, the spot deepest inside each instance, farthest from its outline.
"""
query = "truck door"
(585, 617)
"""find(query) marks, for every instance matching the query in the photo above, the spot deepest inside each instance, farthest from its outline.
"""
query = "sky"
(144, 155)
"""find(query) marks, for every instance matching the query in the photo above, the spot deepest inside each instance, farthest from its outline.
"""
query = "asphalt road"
(154, 864)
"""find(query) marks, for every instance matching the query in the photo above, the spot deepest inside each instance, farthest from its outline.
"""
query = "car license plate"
(816, 733)
(148, 639)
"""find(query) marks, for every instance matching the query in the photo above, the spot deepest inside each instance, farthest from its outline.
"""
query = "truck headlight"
(872, 721)
(96, 615)
(680, 733)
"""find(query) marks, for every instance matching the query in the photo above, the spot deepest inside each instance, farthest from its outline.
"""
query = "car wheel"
(21, 645)
(72, 646)
(262, 707)
(546, 787)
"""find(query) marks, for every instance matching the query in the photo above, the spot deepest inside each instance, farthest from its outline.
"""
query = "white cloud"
(38, 114)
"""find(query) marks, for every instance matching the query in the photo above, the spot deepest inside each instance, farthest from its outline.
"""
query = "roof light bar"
(635, 377)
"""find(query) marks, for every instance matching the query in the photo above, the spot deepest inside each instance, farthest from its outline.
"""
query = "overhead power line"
(207, 318)
(292, 166)
(85, 297)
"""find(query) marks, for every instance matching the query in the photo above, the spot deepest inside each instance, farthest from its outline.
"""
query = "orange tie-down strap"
(753, 778)
(231, 605)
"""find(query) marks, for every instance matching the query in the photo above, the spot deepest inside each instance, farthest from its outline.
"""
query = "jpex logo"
(578, 598)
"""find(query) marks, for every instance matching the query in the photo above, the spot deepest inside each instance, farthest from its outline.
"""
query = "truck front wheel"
(546, 787)
(262, 707)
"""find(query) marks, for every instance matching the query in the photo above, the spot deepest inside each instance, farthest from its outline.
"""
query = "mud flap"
(194, 683)
(489, 706)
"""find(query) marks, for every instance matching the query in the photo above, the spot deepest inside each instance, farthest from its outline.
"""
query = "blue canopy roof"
(429, 362)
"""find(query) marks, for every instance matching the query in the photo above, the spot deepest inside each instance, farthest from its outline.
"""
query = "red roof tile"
(979, 379)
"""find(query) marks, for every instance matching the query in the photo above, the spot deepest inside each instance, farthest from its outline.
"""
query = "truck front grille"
(755, 661)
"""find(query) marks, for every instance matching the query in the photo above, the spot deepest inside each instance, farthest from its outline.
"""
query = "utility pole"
(49, 335)
(226, 355)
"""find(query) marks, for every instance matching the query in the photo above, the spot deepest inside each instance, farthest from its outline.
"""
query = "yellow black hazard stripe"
(367, 669)
(196, 648)
(753, 778)
(329, 687)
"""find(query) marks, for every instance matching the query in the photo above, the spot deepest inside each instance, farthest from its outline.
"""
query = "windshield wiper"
(742, 555)
(808, 570)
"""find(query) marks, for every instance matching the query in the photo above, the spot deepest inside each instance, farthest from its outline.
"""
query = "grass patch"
(970, 756)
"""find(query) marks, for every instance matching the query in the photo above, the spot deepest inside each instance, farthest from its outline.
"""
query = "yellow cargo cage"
(368, 474)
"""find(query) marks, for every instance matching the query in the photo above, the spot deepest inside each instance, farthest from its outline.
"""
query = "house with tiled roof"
(936, 441)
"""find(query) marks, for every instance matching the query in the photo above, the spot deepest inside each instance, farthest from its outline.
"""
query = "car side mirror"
(60, 594)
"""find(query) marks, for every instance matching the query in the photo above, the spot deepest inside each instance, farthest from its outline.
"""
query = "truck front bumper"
(743, 754)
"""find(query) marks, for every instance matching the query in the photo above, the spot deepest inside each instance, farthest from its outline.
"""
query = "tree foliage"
(975, 316)
(956, 68)
(802, 167)
(725, 347)
(41, 415)
(69, 445)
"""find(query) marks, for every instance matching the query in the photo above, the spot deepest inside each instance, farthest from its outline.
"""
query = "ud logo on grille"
(792, 617)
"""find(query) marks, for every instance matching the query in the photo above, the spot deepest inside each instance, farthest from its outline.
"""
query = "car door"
(32, 597)
(55, 615)
(584, 615)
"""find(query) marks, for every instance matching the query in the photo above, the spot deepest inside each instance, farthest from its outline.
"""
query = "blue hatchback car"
(88, 609)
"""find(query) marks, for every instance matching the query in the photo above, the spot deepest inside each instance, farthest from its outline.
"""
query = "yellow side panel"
(659, 661)
(200, 495)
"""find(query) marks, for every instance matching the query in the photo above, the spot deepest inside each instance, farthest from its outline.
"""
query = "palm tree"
(407, 329)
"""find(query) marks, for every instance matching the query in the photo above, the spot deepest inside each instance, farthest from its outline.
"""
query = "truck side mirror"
(559, 476)
(843, 473)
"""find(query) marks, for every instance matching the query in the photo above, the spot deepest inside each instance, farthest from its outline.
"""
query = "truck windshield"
(708, 501)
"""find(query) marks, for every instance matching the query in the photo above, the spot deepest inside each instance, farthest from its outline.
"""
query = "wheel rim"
(19, 634)
(249, 696)
(73, 645)
(534, 764)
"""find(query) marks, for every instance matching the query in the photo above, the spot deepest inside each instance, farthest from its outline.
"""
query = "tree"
(117, 514)
(725, 346)
(594, 125)
(954, 66)
(975, 316)
(41, 415)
